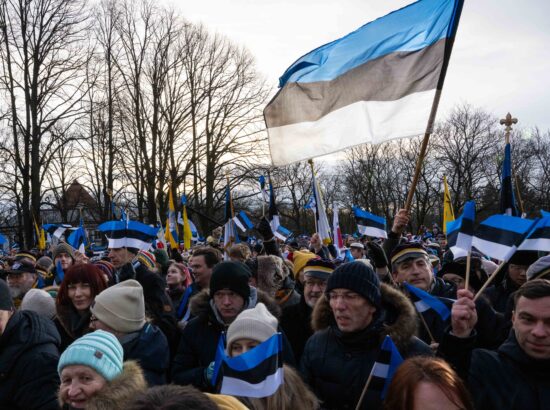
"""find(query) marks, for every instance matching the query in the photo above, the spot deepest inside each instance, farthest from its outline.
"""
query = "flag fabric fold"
(372, 85)
(77, 239)
(282, 233)
(171, 225)
(242, 221)
(369, 224)
(461, 230)
(538, 238)
(423, 301)
(448, 213)
(187, 231)
(500, 235)
(256, 373)
(56, 230)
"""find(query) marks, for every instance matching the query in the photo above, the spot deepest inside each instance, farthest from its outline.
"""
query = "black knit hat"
(524, 258)
(233, 276)
(459, 269)
(6, 302)
(357, 277)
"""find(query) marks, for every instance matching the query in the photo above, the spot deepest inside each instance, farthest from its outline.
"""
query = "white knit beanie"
(255, 324)
(39, 301)
(121, 307)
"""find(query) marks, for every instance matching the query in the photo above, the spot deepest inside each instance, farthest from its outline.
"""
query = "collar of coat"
(117, 393)
(200, 305)
(400, 319)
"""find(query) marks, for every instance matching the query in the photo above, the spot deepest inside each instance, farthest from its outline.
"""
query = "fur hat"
(121, 307)
(256, 324)
(99, 350)
(271, 273)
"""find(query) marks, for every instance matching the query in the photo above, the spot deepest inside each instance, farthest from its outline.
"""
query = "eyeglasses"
(347, 297)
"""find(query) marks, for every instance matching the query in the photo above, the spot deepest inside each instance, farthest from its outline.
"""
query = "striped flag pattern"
(460, 231)
(423, 302)
(370, 224)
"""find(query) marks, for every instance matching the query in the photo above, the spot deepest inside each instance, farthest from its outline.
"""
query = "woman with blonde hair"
(251, 328)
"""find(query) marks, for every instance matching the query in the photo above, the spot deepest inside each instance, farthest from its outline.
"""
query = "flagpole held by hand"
(489, 280)
(468, 262)
(363, 392)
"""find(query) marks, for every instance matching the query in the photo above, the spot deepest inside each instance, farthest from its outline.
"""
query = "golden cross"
(508, 121)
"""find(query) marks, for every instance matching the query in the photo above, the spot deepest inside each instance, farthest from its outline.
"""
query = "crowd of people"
(138, 329)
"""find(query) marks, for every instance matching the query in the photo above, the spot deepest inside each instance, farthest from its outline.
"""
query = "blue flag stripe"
(508, 223)
(411, 28)
(429, 300)
(254, 357)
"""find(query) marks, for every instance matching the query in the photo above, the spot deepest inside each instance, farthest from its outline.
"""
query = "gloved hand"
(209, 372)
(377, 255)
(264, 229)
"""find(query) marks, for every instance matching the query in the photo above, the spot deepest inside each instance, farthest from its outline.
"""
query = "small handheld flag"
(423, 302)
(538, 238)
(461, 231)
(256, 373)
(59, 273)
(387, 362)
(369, 224)
(242, 221)
(282, 233)
(448, 213)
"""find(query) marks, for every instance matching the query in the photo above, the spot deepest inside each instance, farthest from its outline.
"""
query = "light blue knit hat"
(99, 350)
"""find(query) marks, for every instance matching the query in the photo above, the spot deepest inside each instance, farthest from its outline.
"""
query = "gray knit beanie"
(121, 307)
(39, 301)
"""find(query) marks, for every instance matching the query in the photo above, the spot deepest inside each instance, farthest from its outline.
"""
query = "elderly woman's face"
(79, 384)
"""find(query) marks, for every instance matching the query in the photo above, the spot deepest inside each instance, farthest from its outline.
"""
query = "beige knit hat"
(121, 307)
(39, 301)
(256, 324)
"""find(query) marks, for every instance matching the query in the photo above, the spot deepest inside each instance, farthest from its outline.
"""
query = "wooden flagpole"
(315, 196)
(489, 280)
(468, 262)
(364, 391)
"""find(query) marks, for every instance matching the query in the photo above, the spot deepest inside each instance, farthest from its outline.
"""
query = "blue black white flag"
(500, 235)
(507, 198)
(369, 224)
(257, 373)
(56, 230)
(77, 239)
(242, 221)
(538, 239)
(128, 234)
(375, 84)
(461, 231)
(423, 302)
(387, 362)
(282, 233)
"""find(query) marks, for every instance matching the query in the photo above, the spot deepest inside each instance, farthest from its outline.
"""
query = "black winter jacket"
(296, 323)
(199, 340)
(149, 348)
(28, 363)
(336, 365)
(506, 379)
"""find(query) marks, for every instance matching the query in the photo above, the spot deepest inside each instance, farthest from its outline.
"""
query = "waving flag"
(263, 190)
(499, 235)
(323, 227)
(282, 233)
(77, 239)
(387, 362)
(273, 214)
(538, 238)
(56, 230)
(423, 301)
(59, 273)
(242, 221)
(369, 224)
(373, 85)
(128, 234)
(171, 224)
(507, 197)
(187, 231)
(336, 233)
(448, 213)
(311, 204)
(460, 231)
(256, 373)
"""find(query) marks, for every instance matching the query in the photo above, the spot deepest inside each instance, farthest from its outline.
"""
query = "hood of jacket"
(117, 393)
(25, 330)
(201, 307)
(397, 317)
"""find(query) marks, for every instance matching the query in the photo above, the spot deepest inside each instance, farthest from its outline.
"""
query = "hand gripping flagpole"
(489, 280)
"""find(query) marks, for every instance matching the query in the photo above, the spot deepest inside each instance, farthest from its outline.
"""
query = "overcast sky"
(500, 61)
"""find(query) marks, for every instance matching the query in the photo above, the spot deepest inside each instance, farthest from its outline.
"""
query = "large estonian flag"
(507, 197)
(128, 234)
(56, 230)
(460, 231)
(538, 238)
(256, 373)
(423, 302)
(500, 235)
(375, 84)
(369, 224)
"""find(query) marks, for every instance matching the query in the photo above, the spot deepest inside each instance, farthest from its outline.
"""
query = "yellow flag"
(172, 226)
(168, 235)
(40, 237)
(448, 214)
(186, 230)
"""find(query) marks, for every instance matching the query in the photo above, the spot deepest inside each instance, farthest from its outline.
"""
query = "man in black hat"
(21, 278)
(350, 322)
(213, 311)
(28, 358)
(296, 319)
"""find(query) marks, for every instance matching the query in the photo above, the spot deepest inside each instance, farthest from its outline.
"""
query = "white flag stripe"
(421, 306)
(372, 231)
(380, 370)
(237, 387)
(492, 249)
(538, 244)
(128, 243)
